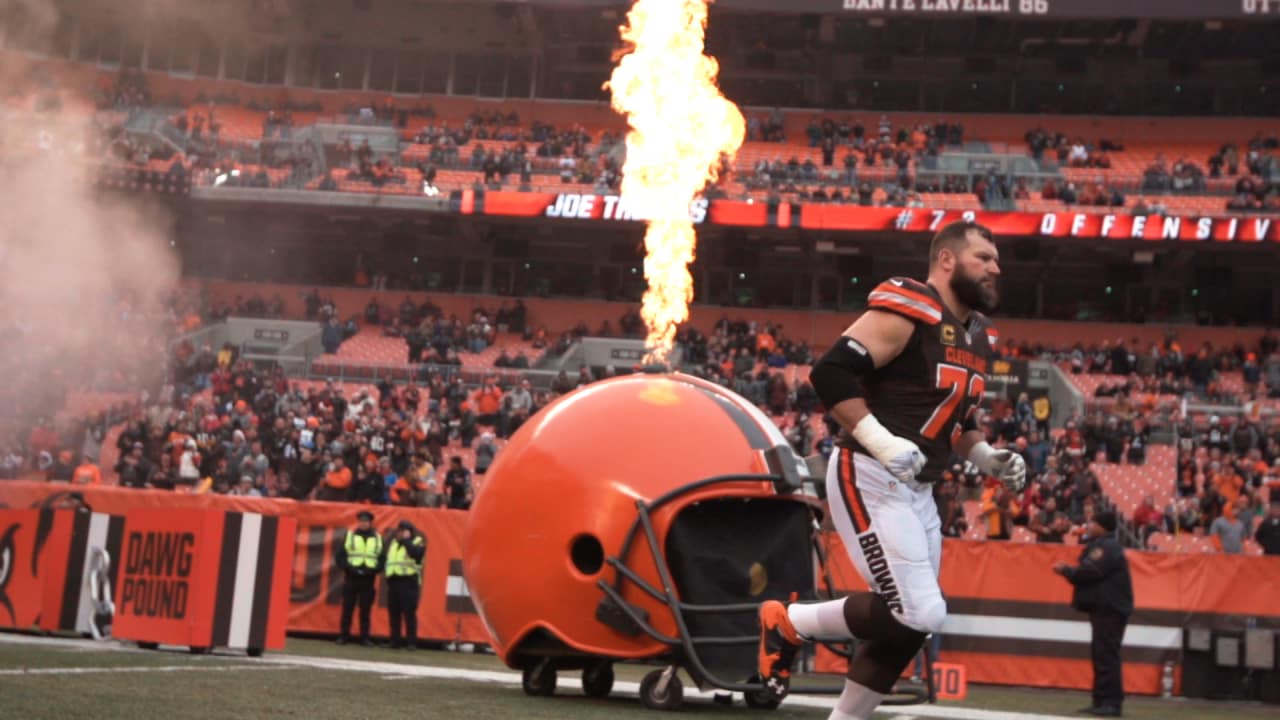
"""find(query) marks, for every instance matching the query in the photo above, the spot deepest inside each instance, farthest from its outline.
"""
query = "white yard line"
(506, 677)
(138, 669)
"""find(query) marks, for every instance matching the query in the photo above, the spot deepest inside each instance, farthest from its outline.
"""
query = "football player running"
(904, 382)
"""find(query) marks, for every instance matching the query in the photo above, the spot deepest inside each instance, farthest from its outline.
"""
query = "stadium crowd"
(258, 433)
(1165, 368)
(1228, 464)
(1227, 474)
(223, 426)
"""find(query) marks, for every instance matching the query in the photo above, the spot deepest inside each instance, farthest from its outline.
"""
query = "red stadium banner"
(1009, 617)
(855, 218)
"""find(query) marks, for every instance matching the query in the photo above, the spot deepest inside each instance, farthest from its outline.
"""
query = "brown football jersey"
(930, 392)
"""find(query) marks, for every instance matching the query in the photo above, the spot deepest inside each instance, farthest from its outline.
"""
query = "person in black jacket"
(1268, 533)
(1103, 589)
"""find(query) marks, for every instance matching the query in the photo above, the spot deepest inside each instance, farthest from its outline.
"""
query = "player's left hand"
(1061, 568)
(1010, 469)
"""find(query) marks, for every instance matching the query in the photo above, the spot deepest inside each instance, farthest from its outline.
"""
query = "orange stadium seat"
(369, 351)
(1127, 485)
(1181, 543)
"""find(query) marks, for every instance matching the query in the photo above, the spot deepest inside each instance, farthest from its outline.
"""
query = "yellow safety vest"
(363, 551)
(398, 561)
(1040, 408)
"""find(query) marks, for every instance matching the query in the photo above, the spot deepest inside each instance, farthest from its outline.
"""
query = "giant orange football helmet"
(632, 516)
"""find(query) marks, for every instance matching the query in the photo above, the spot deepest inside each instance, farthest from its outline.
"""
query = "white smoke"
(85, 277)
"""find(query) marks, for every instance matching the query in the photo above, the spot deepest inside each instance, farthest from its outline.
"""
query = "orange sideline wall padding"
(314, 599)
(202, 577)
(21, 590)
(999, 594)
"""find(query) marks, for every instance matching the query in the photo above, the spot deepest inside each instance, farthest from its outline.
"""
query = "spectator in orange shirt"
(1228, 484)
(488, 400)
(408, 490)
(765, 343)
(416, 486)
(87, 473)
(337, 482)
(726, 366)
(1256, 464)
(994, 513)
(415, 433)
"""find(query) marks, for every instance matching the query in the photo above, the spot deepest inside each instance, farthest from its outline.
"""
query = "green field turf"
(84, 681)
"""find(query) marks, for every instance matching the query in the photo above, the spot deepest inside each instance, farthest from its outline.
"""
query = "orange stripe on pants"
(852, 497)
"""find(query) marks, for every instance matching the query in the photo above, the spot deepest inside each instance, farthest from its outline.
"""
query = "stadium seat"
(369, 350)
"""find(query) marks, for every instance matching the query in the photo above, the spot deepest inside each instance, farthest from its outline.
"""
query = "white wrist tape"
(878, 441)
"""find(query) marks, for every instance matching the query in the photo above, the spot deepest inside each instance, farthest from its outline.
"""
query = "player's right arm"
(883, 335)
(871, 342)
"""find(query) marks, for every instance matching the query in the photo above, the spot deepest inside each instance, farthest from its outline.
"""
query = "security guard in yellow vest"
(361, 557)
(1040, 410)
(404, 554)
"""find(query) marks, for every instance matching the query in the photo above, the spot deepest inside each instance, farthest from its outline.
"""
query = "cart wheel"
(760, 699)
(539, 679)
(148, 645)
(669, 698)
(597, 680)
(254, 652)
(199, 650)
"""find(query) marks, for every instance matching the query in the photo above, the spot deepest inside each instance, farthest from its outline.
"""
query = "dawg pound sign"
(612, 207)
(157, 574)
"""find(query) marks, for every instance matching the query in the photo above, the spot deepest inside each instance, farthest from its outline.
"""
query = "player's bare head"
(954, 238)
(964, 255)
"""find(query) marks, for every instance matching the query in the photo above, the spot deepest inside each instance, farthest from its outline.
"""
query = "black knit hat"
(1106, 519)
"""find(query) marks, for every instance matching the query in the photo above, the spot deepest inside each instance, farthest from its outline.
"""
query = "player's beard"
(973, 293)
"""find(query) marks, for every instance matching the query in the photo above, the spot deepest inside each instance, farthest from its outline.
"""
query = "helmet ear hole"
(587, 554)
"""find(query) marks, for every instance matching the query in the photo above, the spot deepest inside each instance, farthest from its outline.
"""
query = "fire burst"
(679, 125)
